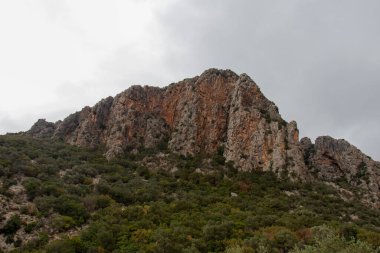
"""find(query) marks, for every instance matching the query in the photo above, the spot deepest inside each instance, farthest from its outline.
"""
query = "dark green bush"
(12, 225)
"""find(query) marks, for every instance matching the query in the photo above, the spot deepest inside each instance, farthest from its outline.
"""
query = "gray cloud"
(317, 60)
(7, 122)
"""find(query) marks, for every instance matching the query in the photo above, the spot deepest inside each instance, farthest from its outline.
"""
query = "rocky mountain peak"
(42, 129)
(218, 110)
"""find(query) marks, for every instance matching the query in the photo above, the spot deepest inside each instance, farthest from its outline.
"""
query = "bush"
(100, 234)
(30, 227)
(245, 249)
(32, 187)
(218, 158)
(62, 223)
(72, 207)
(326, 241)
(61, 246)
(369, 236)
(284, 240)
(103, 201)
(349, 232)
(215, 233)
(12, 225)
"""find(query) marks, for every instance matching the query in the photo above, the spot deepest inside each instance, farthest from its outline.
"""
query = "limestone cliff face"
(339, 162)
(197, 115)
(257, 136)
(85, 128)
(217, 109)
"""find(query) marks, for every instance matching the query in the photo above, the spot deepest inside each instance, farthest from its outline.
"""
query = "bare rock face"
(203, 114)
(195, 116)
(342, 163)
(134, 121)
(85, 128)
(42, 129)
(257, 136)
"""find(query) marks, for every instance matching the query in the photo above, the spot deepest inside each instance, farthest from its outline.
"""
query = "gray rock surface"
(42, 129)
(338, 161)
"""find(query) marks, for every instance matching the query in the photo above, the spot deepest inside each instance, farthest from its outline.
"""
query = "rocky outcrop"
(195, 116)
(257, 136)
(340, 162)
(42, 129)
(87, 127)
(218, 110)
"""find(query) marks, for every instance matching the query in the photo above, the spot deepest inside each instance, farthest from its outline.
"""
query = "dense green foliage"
(125, 206)
(12, 225)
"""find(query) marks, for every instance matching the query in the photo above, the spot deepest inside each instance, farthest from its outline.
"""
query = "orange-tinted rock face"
(197, 115)
(201, 114)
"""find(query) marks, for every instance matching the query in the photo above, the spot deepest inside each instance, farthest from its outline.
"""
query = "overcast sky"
(318, 60)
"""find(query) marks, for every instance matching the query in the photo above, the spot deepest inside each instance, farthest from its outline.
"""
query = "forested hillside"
(59, 198)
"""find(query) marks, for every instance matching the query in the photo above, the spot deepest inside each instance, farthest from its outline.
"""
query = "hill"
(61, 198)
(218, 110)
(203, 165)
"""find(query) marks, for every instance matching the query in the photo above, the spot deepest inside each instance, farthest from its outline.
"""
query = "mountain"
(203, 165)
(217, 111)
(60, 198)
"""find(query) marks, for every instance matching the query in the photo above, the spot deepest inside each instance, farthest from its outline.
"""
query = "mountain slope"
(58, 198)
(197, 115)
(217, 110)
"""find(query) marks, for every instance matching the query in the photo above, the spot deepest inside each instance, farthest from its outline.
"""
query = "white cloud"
(61, 55)
(318, 60)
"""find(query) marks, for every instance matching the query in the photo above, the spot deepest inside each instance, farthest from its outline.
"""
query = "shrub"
(103, 201)
(61, 246)
(326, 241)
(12, 225)
(32, 187)
(218, 158)
(70, 206)
(30, 227)
(284, 240)
(62, 223)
